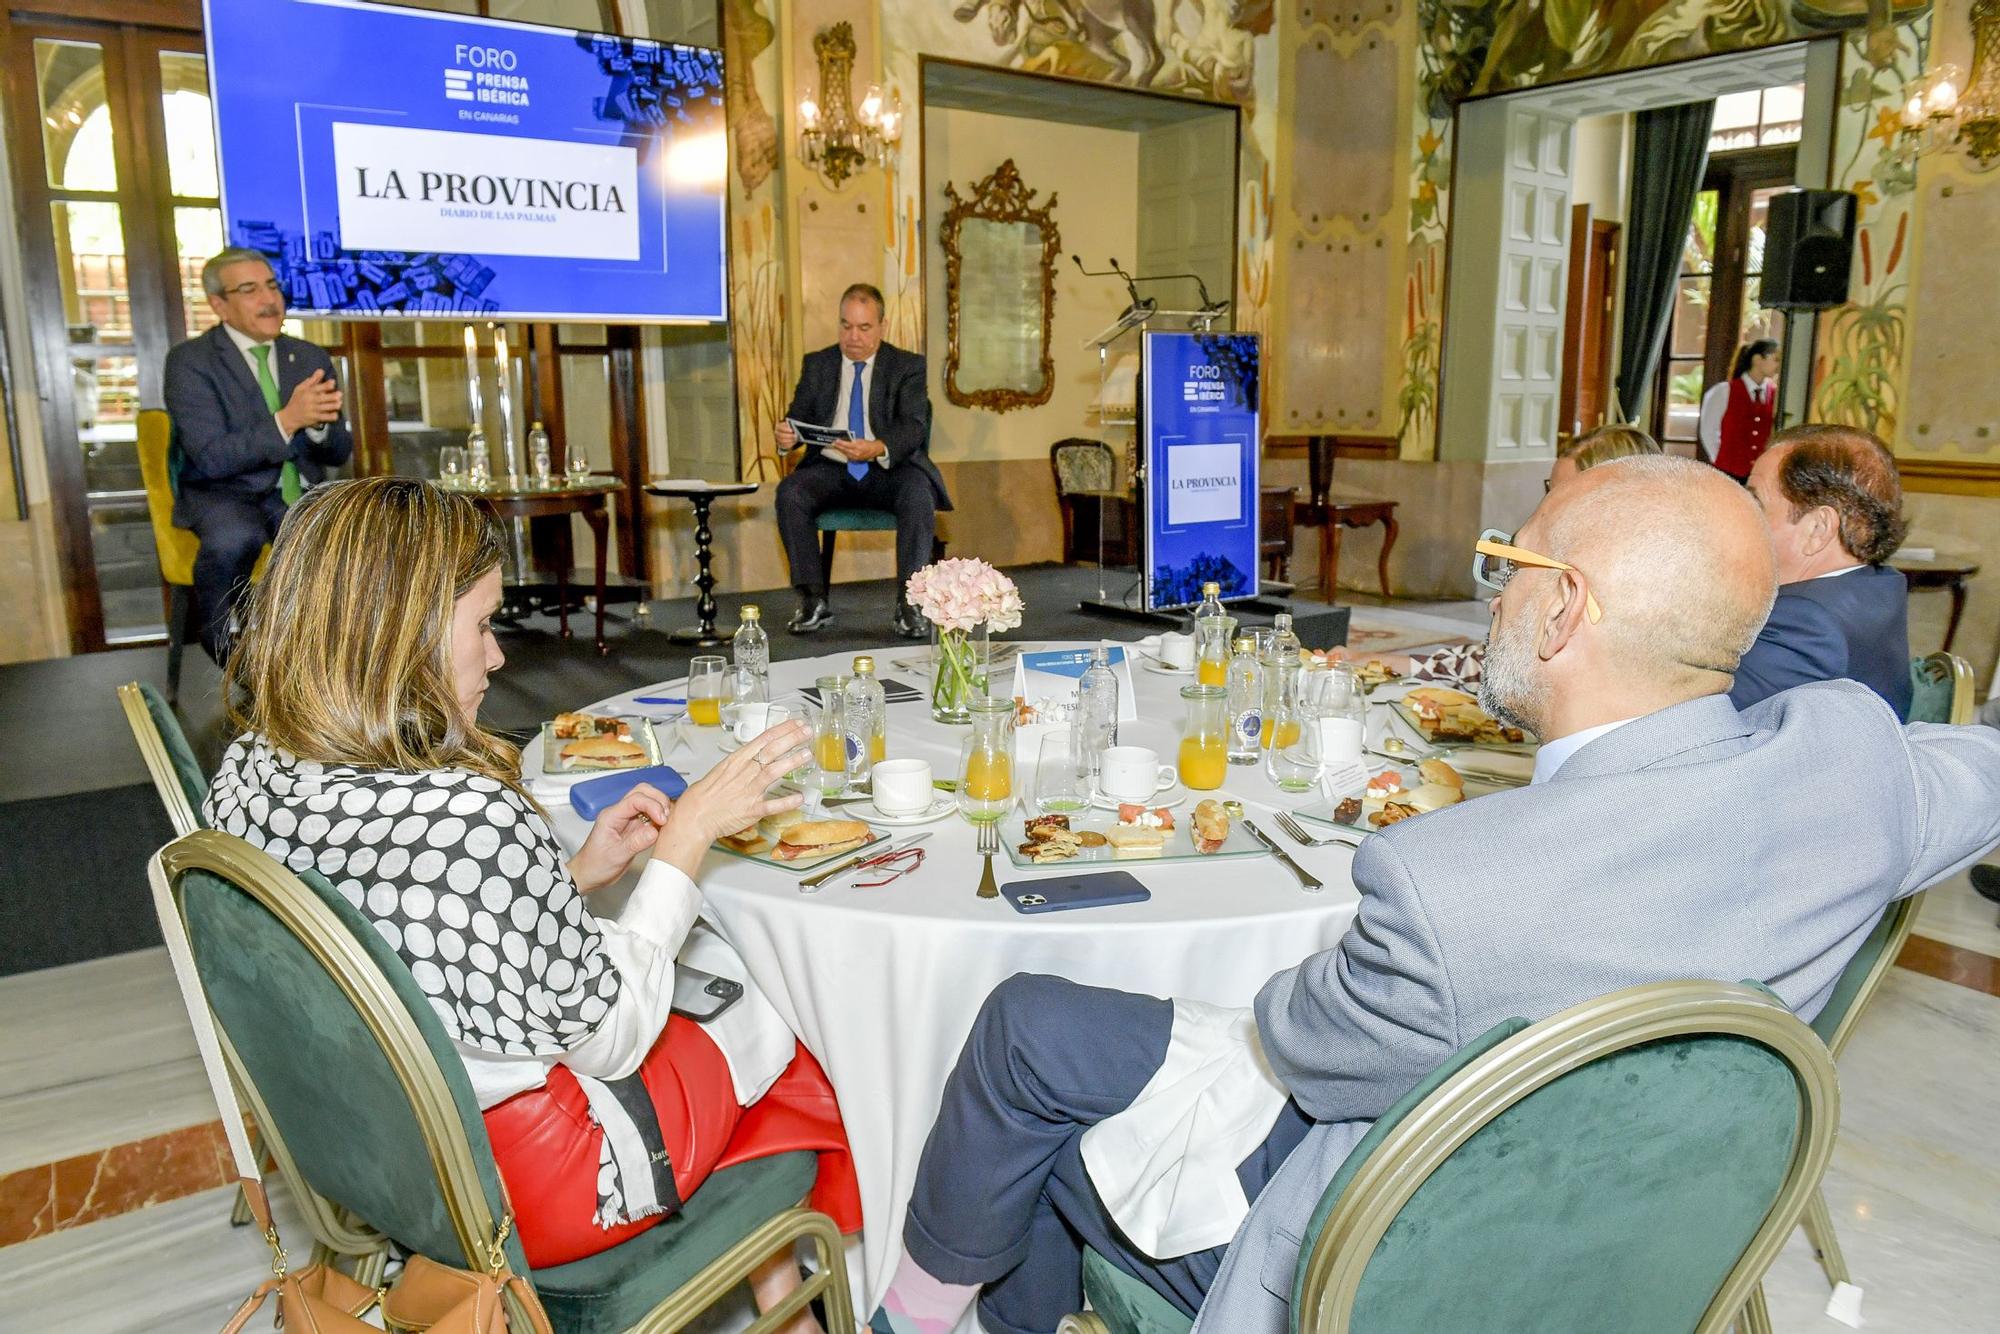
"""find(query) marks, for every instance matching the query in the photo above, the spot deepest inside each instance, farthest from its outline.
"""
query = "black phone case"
(1099, 889)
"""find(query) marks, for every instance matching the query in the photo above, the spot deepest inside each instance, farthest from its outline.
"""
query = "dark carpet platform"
(78, 817)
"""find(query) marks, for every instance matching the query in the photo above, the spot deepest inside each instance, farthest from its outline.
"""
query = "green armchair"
(396, 1134)
(1634, 1163)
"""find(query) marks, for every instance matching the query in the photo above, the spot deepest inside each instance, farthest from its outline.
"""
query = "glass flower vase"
(960, 669)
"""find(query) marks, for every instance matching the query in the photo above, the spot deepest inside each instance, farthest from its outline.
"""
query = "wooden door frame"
(1585, 229)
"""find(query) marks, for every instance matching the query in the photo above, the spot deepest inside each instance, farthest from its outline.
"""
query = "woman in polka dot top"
(363, 662)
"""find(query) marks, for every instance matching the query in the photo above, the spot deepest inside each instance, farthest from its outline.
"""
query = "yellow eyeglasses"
(1496, 560)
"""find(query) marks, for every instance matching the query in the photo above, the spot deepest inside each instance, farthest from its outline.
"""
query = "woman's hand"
(731, 796)
(619, 834)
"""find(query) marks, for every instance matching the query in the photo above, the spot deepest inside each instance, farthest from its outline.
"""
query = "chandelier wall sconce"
(1942, 109)
(836, 136)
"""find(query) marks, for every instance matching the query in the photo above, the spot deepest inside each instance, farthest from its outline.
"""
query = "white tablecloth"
(882, 984)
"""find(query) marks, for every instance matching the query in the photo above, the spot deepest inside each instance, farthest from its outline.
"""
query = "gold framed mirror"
(1000, 252)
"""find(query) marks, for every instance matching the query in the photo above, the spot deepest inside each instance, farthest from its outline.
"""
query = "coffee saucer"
(941, 806)
(1168, 800)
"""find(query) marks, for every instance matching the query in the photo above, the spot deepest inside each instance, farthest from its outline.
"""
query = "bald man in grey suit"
(1666, 836)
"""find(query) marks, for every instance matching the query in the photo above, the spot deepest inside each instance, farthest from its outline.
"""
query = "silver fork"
(989, 843)
(1298, 831)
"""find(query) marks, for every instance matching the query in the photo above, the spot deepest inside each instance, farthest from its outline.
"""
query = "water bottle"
(867, 718)
(538, 451)
(1210, 606)
(750, 649)
(1097, 709)
(1246, 703)
(1284, 642)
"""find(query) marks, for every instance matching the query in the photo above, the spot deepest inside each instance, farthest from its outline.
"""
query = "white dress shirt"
(248, 347)
(849, 368)
(1554, 754)
(1715, 404)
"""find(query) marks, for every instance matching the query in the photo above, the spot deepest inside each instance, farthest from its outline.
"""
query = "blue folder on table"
(593, 796)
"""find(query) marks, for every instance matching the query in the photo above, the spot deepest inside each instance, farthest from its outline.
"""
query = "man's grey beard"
(1508, 688)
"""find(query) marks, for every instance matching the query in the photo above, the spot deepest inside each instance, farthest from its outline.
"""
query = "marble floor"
(1914, 1188)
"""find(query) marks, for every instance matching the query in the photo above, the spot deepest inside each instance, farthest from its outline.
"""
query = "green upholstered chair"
(834, 522)
(357, 1072)
(178, 779)
(170, 761)
(1633, 1163)
(1835, 1024)
(1941, 690)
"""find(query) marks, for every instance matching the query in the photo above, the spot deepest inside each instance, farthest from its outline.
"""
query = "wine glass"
(451, 466)
(1060, 777)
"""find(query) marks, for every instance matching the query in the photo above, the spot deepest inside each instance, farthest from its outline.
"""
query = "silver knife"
(1307, 881)
(818, 878)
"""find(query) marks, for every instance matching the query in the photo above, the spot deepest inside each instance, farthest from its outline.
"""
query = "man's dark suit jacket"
(225, 441)
(899, 407)
(1853, 626)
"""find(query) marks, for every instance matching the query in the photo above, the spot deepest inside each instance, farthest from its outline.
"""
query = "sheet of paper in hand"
(822, 438)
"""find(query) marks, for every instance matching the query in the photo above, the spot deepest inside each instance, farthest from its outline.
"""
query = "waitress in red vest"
(1736, 414)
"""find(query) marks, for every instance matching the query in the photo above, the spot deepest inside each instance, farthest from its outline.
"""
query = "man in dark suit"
(1835, 509)
(878, 393)
(256, 420)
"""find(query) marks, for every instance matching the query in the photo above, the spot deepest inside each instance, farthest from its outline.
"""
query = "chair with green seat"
(1941, 690)
(1835, 1023)
(159, 470)
(397, 1135)
(1633, 1163)
(835, 522)
(178, 779)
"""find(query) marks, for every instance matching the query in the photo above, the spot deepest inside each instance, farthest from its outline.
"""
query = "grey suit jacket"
(225, 441)
(1696, 842)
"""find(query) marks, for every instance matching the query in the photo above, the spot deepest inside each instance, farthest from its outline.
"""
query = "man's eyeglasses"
(251, 289)
(1497, 559)
(889, 867)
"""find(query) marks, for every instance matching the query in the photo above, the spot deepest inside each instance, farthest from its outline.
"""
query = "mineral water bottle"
(1284, 642)
(1246, 703)
(750, 649)
(538, 451)
(1097, 708)
(1210, 606)
(867, 718)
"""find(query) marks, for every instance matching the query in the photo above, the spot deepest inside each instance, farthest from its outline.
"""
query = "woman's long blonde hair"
(345, 656)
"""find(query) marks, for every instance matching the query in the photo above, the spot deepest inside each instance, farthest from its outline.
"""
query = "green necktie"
(288, 478)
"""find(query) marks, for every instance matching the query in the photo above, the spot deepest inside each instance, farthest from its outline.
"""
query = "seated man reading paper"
(873, 453)
(1190, 1144)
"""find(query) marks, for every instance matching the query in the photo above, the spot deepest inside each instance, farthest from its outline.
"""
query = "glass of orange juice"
(986, 762)
(1204, 752)
(705, 690)
(1213, 637)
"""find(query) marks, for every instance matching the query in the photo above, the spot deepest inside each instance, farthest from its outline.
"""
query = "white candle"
(472, 371)
(509, 455)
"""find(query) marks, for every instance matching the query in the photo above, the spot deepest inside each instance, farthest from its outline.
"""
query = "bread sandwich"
(603, 752)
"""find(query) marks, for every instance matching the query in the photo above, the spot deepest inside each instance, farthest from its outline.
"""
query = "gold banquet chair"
(1633, 1163)
(1942, 690)
(398, 1134)
(180, 783)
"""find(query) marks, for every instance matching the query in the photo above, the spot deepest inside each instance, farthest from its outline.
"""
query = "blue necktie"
(857, 420)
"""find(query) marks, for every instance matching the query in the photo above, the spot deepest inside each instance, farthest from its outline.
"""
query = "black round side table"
(701, 495)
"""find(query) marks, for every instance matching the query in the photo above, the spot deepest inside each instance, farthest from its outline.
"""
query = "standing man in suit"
(256, 420)
(1144, 1128)
(1835, 508)
(878, 392)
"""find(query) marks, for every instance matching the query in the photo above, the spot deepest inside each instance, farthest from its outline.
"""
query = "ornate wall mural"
(758, 286)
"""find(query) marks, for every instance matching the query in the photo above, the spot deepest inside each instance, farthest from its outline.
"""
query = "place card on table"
(1051, 677)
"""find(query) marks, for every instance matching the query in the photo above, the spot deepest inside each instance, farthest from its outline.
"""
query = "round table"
(702, 494)
(530, 500)
(882, 984)
(1940, 569)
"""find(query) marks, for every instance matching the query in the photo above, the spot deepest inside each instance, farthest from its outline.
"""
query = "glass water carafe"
(986, 762)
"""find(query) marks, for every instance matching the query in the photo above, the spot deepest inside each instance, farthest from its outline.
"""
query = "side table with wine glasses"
(584, 493)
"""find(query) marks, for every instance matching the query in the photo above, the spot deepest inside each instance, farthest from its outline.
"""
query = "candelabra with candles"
(835, 136)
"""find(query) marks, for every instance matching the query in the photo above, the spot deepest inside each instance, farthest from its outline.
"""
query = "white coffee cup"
(1133, 773)
(754, 719)
(1339, 740)
(902, 787)
(1177, 649)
